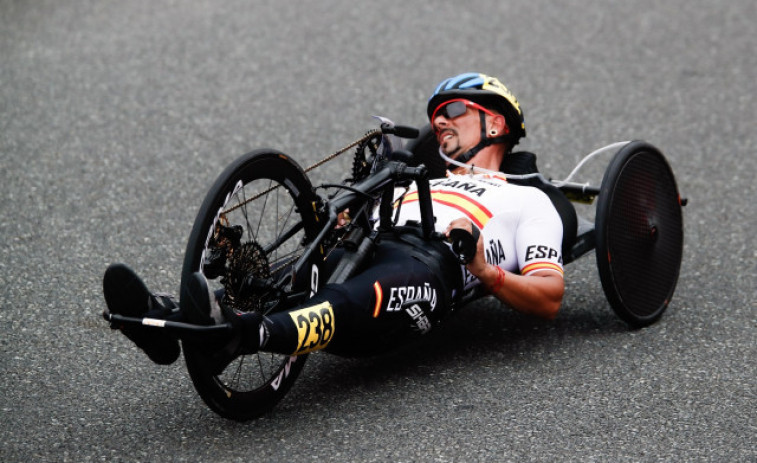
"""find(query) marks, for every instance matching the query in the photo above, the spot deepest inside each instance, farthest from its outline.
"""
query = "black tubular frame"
(378, 184)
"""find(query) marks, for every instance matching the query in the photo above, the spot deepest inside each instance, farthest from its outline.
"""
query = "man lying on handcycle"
(409, 284)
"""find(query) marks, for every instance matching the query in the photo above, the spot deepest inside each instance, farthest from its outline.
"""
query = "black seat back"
(524, 162)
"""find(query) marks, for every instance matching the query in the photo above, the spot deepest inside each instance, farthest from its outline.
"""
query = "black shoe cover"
(126, 294)
(197, 307)
(195, 300)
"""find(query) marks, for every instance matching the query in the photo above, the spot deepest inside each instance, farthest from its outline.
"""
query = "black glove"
(464, 243)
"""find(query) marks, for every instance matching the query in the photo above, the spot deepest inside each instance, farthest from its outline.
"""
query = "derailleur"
(220, 248)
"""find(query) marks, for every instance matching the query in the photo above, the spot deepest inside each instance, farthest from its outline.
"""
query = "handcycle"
(263, 234)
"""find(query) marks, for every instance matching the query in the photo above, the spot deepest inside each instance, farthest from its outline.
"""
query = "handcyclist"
(410, 284)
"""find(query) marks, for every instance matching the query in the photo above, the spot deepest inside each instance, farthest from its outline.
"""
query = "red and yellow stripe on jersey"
(475, 211)
(541, 266)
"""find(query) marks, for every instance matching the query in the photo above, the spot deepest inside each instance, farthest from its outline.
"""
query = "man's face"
(455, 132)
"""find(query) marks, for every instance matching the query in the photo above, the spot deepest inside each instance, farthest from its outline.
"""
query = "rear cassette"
(247, 264)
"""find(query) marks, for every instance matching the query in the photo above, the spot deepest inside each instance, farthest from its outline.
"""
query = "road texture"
(115, 117)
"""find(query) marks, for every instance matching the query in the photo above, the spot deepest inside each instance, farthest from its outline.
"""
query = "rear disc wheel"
(639, 231)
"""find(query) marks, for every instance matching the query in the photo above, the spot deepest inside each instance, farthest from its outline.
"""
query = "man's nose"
(439, 122)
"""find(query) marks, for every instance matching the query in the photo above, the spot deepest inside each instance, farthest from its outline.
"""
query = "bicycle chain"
(328, 158)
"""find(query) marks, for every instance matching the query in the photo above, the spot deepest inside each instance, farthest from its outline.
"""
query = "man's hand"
(478, 262)
(343, 218)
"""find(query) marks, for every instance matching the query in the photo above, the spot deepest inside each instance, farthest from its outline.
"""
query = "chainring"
(362, 163)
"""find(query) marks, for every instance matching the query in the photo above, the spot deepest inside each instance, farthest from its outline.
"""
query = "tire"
(639, 231)
(265, 193)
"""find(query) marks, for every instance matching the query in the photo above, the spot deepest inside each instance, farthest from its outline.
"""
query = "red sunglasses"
(455, 108)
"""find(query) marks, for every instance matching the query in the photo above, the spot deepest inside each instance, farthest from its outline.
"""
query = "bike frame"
(379, 184)
(387, 171)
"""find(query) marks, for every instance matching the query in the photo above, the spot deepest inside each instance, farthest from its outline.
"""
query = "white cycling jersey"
(521, 228)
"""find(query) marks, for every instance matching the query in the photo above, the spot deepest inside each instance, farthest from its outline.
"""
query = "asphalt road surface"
(115, 117)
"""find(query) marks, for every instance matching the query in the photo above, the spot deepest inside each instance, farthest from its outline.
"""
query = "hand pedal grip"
(464, 243)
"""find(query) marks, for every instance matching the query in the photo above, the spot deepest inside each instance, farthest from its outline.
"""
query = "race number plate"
(315, 327)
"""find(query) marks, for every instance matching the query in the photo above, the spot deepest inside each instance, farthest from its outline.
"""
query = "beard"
(451, 146)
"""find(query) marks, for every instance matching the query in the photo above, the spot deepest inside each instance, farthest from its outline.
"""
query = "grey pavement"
(115, 117)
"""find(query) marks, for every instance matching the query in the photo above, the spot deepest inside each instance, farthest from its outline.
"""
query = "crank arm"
(184, 331)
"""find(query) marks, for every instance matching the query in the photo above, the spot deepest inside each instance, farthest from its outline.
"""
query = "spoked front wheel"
(253, 225)
(639, 231)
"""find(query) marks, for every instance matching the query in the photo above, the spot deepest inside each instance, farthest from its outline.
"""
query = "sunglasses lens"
(454, 109)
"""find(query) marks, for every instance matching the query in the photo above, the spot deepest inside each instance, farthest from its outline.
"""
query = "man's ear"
(498, 126)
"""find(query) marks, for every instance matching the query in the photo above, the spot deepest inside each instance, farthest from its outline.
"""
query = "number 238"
(315, 327)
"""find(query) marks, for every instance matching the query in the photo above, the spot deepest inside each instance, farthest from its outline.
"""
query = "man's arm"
(539, 293)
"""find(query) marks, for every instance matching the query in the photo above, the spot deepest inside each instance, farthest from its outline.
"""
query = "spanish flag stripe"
(474, 216)
(410, 197)
(379, 298)
(467, 199)
(478, 213)
(447, 194)
(541, 266)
